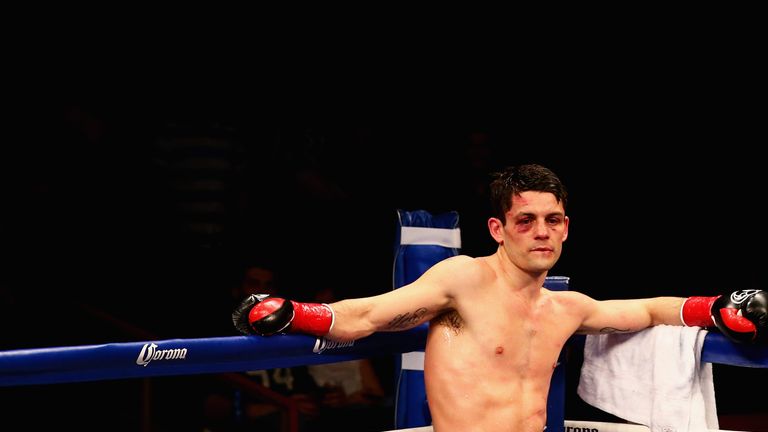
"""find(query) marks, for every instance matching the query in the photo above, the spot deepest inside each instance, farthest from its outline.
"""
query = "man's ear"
(565, 232)
(496, 228)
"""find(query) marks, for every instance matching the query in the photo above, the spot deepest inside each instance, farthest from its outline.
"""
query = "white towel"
(654, 377)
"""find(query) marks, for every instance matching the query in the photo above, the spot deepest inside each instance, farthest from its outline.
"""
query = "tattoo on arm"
(407, 320)
(608, 330)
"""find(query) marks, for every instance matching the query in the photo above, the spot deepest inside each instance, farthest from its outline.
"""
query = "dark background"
(102, 204)
(107, 198)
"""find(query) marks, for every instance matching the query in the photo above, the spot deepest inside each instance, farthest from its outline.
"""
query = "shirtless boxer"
(495, 333)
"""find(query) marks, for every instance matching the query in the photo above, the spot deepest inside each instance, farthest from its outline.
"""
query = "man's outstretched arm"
(624, 316)
(396, 310)
(349, 319)
(741, 315)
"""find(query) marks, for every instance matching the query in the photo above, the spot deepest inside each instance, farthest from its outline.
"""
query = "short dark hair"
(515, 180)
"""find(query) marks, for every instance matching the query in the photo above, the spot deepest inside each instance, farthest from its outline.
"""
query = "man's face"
(535, 229)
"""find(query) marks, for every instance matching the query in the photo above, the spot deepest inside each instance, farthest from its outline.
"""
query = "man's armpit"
(451, 320)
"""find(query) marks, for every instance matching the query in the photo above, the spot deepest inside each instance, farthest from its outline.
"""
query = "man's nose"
(541, 230)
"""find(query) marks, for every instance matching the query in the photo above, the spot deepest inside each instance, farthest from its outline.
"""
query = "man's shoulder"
(463, 268)
(466, 262)
(480, 260)
(569, 297)
(458, 260)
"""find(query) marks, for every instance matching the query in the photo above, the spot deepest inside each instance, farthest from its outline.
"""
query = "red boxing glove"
(740, 316)
(264, 315)
(697, 311)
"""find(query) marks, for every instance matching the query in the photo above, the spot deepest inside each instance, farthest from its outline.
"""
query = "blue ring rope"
(192, 356)
(241, 353)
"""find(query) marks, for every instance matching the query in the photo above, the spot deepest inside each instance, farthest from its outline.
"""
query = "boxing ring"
(433, 239)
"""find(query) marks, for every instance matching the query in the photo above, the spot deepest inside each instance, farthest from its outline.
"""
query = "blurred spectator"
(353, 398)
(233, 410)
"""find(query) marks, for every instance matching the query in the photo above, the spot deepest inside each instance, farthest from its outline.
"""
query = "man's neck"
(518, 280)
